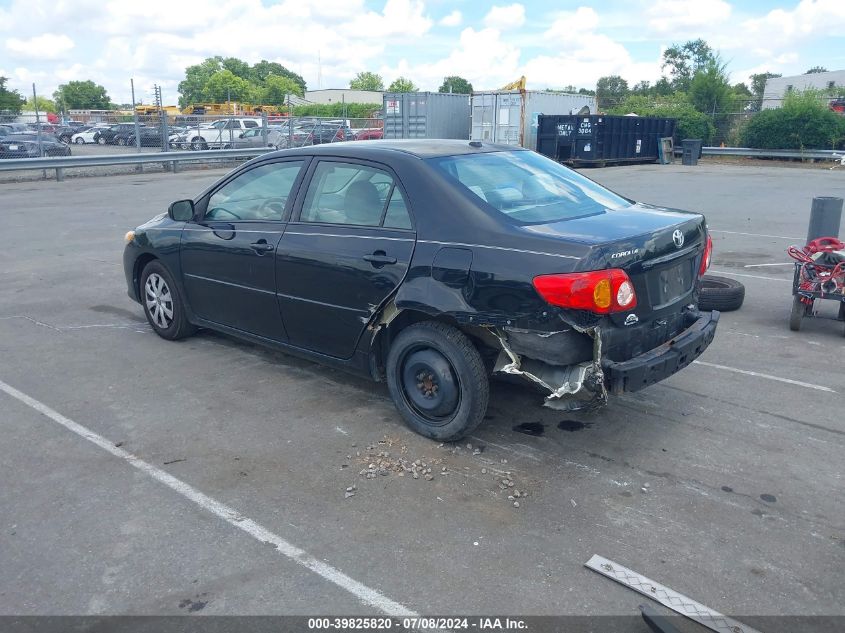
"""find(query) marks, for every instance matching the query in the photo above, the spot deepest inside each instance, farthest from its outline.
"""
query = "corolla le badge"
(678, 238)
(631, 319)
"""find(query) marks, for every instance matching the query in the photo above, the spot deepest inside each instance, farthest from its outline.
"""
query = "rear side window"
(359, 195)
(528, 188)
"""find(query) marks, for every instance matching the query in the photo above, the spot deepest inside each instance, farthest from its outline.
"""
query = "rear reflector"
(599, 291)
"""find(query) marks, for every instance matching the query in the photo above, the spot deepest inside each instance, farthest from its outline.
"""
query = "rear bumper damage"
(585, 385)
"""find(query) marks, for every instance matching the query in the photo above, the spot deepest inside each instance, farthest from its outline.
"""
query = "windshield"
(527, 187)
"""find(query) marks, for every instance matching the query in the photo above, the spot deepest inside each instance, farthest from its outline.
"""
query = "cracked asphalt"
(724, 482)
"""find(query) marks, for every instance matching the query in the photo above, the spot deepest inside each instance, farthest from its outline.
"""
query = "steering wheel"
(272, 207)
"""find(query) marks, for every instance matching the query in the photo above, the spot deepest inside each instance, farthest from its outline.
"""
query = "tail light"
(599, 291)
(706, 257)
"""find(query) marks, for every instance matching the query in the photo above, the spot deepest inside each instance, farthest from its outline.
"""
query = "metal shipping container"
(426, 115)
(600, 139)
(510, 117)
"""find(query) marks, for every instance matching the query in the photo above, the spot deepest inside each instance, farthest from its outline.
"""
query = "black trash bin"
(691, 151)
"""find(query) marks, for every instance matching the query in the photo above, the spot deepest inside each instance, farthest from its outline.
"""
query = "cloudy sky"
(327, 41)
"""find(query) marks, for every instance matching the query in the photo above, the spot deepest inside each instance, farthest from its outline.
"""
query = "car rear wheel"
(79, 141)
(437, 380)
(198, 144)
(121, 141)
(162, 303)
(101, 140)
(720, 293)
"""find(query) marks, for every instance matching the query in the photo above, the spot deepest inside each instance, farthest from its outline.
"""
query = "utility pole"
(135, 117)
(37, 122)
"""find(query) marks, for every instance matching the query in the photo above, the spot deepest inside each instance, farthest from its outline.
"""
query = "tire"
(121, 141)
(79, 141)
(158, 294)
(720, 293)
(101, 140)
(437, 380)
(198, 144)
(797, 313)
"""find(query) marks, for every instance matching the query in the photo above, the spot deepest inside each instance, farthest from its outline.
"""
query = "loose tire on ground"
(163, 305)
(437, 380)
(720, 293)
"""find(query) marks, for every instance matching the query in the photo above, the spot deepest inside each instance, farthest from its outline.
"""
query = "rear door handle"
(379, 258)
(261, 246)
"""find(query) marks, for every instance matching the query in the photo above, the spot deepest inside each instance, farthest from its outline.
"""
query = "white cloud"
(453, 19)
(46, 46)
(511, 16)
(809, 18)
(680, 17)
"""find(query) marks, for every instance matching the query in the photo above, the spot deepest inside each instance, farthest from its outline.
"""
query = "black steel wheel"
(437, 380)
(720, 293)
(163, 305)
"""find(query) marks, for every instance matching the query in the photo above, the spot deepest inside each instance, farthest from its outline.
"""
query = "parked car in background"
(107, 135)
(149, 136)
(217, 134)
(87, 134)
(369, 134)
(27, 146)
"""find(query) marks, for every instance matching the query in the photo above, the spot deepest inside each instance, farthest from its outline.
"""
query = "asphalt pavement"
(723, 482)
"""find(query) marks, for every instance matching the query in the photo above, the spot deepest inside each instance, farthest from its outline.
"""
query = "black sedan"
(433, 265)
(27, 146)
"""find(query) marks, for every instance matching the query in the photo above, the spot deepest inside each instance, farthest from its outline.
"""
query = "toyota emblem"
(678, 238)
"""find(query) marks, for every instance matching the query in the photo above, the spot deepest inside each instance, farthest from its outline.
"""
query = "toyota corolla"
(433, 265)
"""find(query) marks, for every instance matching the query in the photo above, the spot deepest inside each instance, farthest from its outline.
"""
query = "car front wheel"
(437, 380)
(162, 303)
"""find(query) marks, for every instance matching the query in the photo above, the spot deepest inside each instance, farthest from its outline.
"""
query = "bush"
(691, 122)
(803, 122)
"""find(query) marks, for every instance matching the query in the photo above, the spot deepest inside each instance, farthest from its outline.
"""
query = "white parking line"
(732, 274)
(778, 264)
(361, 591)
(788, 381)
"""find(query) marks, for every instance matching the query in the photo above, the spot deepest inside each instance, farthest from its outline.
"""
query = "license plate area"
(667, 285)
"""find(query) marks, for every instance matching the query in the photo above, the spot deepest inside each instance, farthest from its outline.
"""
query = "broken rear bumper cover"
(663, 361)
(585, 385)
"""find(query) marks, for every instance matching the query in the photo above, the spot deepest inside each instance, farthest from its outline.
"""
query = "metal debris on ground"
(667, 597)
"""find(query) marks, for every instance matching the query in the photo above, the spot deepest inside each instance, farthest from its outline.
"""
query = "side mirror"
(181, 211)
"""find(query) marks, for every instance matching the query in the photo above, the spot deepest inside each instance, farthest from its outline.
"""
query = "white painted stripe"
(732, 274)
(364, 593)
(759, 265)
(777, 237)
(788, 381)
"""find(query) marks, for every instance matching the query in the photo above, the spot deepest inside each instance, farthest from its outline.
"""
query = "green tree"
(804, 121)
(709, 89)
(81, 95)
(365, 80)
(44, 104)
(816, 69)
(611, 90)
(683, 60)
(456, 84)
(586, 91)
(402, 84)
(264, 69)
(276, 89)
(225, 86)
(10, 100)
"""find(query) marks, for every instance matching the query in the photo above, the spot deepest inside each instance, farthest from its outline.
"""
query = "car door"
(227, 255)
(345, 253)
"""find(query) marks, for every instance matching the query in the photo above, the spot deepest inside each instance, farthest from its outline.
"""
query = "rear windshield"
(528, 188)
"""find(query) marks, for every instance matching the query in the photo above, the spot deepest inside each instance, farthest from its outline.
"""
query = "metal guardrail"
(769, 153)
(59, 163)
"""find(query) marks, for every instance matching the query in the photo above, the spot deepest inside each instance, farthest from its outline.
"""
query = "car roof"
(421, 148)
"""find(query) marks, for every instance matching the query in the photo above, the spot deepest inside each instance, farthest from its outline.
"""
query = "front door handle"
(379, 258)
(261, 246)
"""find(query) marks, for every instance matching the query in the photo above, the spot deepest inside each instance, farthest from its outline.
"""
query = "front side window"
(344, 193)
(528, 188)
(258, 194)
